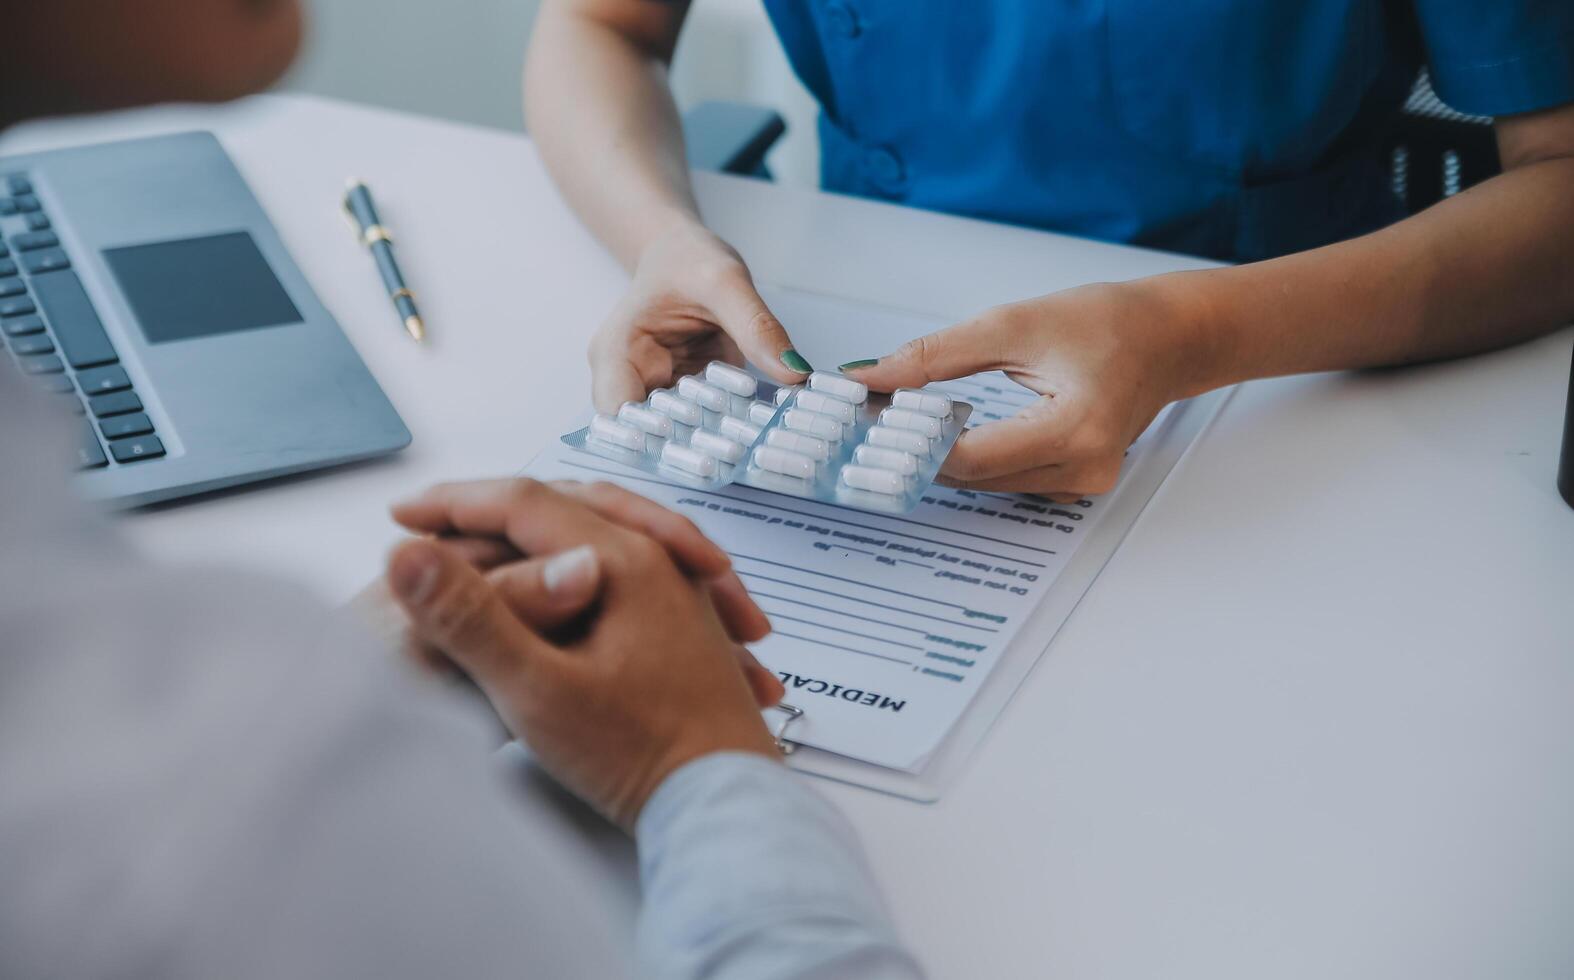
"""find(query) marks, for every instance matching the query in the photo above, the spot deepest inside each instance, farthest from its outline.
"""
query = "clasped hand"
(606, 631)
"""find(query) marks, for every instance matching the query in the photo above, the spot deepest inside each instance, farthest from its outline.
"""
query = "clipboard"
(830, 320)
(1181, 429)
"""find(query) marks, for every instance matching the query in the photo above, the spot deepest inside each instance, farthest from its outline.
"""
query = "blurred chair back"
(1437, 152)
(731, 137)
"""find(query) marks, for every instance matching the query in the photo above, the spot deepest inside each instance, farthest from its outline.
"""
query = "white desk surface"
(1315, 720)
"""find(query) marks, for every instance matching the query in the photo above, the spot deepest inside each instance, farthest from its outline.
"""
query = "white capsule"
(841, 387)
(785, 462)
(643, 419)
(933, 403)
(876, 481)
(720, 447)
(803, 420)
(782, 394)
(729, 378)
(689, 460)
(903, 418)
(761, 414)
(738, 430)
(604, 428)
(677, 409)
(887, 459)
(707, 395)
(796, 442)
(906, 440)
(816, 401)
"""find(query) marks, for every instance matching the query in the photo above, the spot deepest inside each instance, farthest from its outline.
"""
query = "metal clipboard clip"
(793, 714)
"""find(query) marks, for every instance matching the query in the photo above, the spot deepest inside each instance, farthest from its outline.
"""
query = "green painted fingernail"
(859, 365)
(795, 361)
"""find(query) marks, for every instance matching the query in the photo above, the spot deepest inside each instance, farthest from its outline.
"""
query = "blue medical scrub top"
(1238, 129)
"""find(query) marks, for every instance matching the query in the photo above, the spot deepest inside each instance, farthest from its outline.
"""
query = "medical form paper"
(885, 626)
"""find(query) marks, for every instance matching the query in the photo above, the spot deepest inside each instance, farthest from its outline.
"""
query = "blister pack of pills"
(830, 439)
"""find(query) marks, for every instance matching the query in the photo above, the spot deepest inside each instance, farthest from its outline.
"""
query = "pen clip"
(349, 219)
(349, 213)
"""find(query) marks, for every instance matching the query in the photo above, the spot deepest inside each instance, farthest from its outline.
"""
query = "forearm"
(749, 874)
(1484, 269)
(598, 105)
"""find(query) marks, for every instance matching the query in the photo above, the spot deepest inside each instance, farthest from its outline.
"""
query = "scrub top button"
(885, 168)
(842, 19)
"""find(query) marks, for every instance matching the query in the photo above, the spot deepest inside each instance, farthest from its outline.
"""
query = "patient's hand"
(650, 679)
(545, 594)
(556, 589)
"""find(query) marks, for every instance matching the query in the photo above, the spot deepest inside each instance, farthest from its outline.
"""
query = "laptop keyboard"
(51, 328)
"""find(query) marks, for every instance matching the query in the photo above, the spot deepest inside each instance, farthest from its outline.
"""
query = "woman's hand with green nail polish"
(691, 301)
(1105, 360)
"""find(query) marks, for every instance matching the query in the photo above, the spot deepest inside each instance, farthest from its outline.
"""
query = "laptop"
(143, 284)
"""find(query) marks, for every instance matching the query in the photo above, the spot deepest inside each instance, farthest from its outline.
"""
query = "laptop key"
(13, 287)
(132, 450)
(124, 426)
(27, 203)
(49, 260)
(29, 240)
(78, 330)
(7, 207)
(45, 364)
(19, 184)
(17, 306)
(7, 267)
(38, 221)
(57, 383)
(116, 403)
(90, 455)
(102, 381)
(22, 326)
(36, 344)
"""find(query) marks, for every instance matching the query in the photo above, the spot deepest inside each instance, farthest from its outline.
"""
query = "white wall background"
(461, 59)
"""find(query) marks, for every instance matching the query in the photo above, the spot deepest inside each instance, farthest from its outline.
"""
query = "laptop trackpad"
(198, 287)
